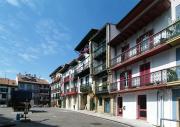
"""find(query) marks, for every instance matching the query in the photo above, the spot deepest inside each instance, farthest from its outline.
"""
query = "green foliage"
(171, 75)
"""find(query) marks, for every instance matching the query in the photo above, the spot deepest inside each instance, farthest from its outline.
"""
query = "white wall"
(158, 62)
(157, 25)
(155, 109)
(129, 101)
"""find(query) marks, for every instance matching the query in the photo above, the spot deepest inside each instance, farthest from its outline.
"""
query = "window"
(4, 96)
(177, 54)
(178, 12)
(21, 86)
(81, 81)
(3, 90)
(87, 80)
(100, 101)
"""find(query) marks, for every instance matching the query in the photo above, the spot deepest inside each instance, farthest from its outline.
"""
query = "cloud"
(28, 57)
(13, 2)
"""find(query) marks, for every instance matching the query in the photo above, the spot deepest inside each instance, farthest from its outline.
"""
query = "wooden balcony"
(154, 80)
(153, 45)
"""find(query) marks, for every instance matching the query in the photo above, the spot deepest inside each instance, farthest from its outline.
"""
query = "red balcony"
(152, 80)
(72, 91)
(153, 45)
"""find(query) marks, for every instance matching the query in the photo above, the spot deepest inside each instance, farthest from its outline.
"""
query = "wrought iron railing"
(103, 88)
(155, 78)
(85, 88)
(149, 43)
(84, 66)
(101, 49)
(99, 68)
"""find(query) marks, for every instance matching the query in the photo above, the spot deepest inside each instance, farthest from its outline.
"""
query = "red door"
(142, 108)
(145, 74)
(120, 106)
(125, 54)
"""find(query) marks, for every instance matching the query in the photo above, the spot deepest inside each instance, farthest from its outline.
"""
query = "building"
(144, 65)
(100, 68)
(56, 87)
(134, 66)
(82, 72)
(40, 88)
(69, 86)
(6, 87)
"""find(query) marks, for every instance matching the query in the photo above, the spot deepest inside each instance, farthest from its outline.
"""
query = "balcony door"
(144, 42)
(125, 54)
(125, 79)
(145, 74)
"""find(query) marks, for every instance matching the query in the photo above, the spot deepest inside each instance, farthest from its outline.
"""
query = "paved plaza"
(54, 117)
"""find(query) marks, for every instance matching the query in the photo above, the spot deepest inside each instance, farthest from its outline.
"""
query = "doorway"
(120, 106)
(142, 107)
(107, 105)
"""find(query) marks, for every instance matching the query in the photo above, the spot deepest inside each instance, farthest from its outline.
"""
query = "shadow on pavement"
(38, 111)
(7, 122)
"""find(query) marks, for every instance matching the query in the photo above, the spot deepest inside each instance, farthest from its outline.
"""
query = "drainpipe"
(157, 106)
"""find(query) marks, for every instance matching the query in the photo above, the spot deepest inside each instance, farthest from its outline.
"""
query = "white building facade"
(145, 63)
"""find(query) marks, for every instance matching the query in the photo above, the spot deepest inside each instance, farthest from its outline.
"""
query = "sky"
(37, 36)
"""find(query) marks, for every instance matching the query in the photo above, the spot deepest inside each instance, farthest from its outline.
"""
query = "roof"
(55, 71)
(27, 78)
(73, 63)
(140, 16)
(8, 82)
(100, 33)
(64, 69)
(134, 12)
(86, 39)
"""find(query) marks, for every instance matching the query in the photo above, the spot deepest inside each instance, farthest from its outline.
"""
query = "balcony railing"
(113, 87)
(149, 43)
(83, 67)
(99, 68)
(74, 89)
(85, 88)
(99, 50)
(155, 78)
(102, 89)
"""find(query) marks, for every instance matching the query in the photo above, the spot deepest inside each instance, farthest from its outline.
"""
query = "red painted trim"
(142, 56)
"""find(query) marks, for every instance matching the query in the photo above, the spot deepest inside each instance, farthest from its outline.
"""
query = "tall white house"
(145, 63)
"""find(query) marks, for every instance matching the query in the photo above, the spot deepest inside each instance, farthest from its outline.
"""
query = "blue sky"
(36, 36)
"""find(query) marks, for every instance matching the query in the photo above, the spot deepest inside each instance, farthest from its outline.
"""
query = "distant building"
(55, 87)
(6, 86)
(40, 88)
